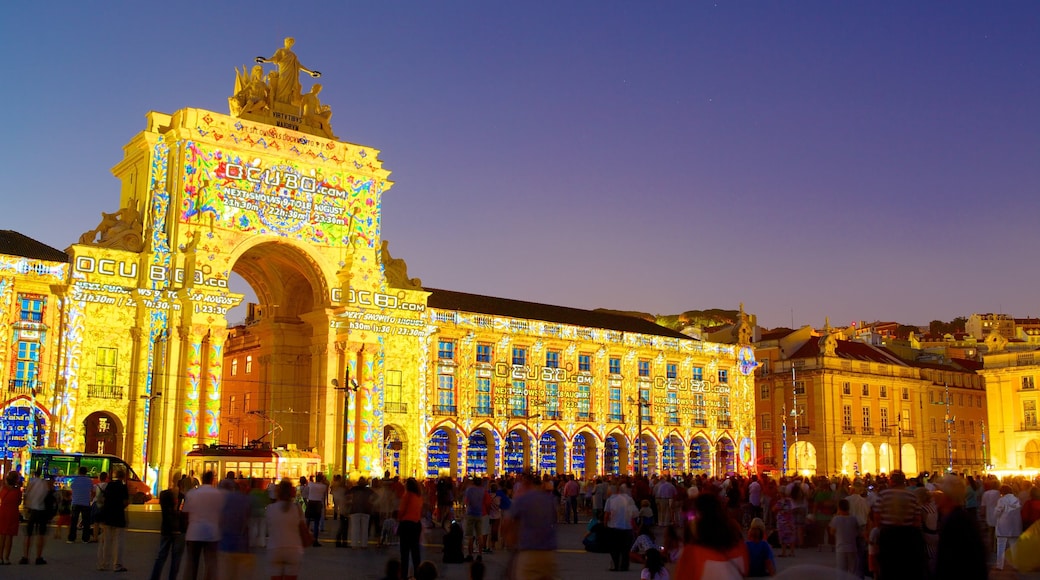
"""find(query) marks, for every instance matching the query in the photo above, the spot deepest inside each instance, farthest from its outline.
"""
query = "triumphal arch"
(267, 192)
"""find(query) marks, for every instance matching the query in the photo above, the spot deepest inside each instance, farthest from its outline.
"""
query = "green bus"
(61, 466)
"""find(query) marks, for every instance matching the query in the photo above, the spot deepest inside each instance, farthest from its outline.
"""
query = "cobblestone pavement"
(79, 560)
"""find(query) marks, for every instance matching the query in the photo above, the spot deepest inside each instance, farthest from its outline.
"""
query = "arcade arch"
(910, 459)
(803, 456)
(103, 433)
(868, 459)
(585, 453)
(849, 458)
(1032, 454)
(552, 453)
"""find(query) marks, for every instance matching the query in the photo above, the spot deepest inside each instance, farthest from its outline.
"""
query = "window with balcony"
(552, 401)
(846, 416)
(866, 417)
(483, 399)
(445, 394)
(614, 366)
(584, 401)
(673, 406)
(394, 401)
(616, 414)
(884, 419)
(1029, 415)
(518, 399)
(26, 367)
(700, 415)
(484, 352)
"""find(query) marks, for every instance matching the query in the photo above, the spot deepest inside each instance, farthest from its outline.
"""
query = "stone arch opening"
(868, 459)
(885, 460)
(480, 452)
(804, 458)
(285, 335)
(517, 451)
(394, 446)
(673, 455)
(442, 452)
(103, 433)
(1032, 458)
(910, 460)
(646, 456)
(615, 454)
(700, 455)
(551, 453)
(725, 457)
(849, 458)
(584, 454)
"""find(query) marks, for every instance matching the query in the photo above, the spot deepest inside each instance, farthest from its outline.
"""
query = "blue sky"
(853, 160)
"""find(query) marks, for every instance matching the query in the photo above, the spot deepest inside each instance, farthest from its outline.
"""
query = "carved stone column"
(214, 376)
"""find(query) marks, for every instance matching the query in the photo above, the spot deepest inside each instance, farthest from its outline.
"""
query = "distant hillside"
(702, 318)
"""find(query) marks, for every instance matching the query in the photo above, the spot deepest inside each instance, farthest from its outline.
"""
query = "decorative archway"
(102, 433)
(551, 451)
(673, 456)
(725, 457)
(849, 458)
(700, 455)
(868, 459)
(1032, 459)
(910, 460)
(442, 453)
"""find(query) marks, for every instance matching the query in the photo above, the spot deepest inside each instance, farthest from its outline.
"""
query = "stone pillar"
(210, 432)
(189, 384)
(130, 451)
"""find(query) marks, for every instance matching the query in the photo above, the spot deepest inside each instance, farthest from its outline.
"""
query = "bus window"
(95, 465)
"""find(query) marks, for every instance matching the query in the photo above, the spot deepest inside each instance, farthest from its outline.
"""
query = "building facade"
(30, 333)
(1011, 372)
(344, 354)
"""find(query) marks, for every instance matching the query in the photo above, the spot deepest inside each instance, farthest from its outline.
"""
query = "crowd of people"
(890, 527)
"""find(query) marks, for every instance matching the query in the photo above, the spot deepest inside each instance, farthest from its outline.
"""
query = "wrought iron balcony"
(700, 422)
(444, 410)
(20, 386)
(868, 430)
(616, 418)
(648, 420)
(552, 415)
(1030, 427)
(586, 416)
(518, 413)
(803, 430)
(105, 391)
(724, 423)
(885, 432)
(908, 433)
(483, 411)
(848, 430)
(395, 407)
(671, 421)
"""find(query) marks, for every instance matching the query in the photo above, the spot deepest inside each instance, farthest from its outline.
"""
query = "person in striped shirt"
(901, 547)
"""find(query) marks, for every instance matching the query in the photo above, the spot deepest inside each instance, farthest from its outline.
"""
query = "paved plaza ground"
(79, 560)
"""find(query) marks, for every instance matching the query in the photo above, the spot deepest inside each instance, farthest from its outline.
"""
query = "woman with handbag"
(287, 533)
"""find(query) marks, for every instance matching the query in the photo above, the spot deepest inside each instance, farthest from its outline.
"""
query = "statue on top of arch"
(278, 98)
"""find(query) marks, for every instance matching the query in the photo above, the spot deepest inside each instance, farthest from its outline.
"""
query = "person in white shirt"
(317, 496)
(988, 503)
(755, 497)
(203, 506)
(36, 491)
(620, 514)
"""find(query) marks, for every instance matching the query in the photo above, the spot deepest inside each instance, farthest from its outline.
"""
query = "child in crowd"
(646, 513)
(654, 568)
(761, 561)
(426, 571)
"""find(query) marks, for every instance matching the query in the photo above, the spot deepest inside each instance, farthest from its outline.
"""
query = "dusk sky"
(857, 160)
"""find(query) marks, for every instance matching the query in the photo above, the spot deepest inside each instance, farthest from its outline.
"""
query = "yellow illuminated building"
(1011, 371)
(344, 354)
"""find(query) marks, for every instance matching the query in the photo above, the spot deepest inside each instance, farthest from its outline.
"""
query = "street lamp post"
(783, 415)
(899, 438)
(642, 404)
(349, 386)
